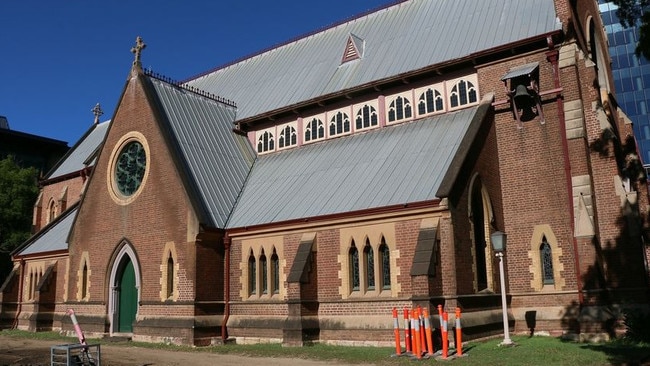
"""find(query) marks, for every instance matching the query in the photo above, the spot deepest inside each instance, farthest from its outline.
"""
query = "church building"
(300, 194)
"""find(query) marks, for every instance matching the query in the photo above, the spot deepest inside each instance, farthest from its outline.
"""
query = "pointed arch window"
(384, 252)
(288, 137)
(546, 257)
(51, 211)
(339, 123)
(366, 117)
(170, 276)
(353, 257)
(34, 277)
(84, 281)
(430, 101)
(275, 273)
(32, 284)
(462, 93)
(369, 259)
(252, 274)
(314, 129)
(265, 142)
(399, 108)
(264, 281)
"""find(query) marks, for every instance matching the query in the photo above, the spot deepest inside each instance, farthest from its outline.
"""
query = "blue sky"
(58, 58)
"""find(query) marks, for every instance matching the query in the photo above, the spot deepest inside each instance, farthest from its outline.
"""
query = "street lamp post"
(499, 245)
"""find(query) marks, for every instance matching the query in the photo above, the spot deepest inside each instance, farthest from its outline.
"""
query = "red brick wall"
(157, 216)
(534, 189)
(53, 192)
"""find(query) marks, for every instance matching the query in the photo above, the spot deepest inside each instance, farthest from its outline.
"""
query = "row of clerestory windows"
(404, 106)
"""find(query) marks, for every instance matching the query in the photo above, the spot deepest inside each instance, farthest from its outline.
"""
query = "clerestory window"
(399, 108)
(339, 123)
(314, 129)
(366, 117)
(287, 137)
(463, 92)
(265, 141)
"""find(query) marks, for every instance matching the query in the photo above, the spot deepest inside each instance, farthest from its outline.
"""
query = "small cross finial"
(97, 111)
(137, 50)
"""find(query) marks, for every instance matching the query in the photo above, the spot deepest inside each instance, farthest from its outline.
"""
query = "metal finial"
(97, 111)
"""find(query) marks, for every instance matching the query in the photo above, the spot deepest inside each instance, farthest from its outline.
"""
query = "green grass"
(528, 351)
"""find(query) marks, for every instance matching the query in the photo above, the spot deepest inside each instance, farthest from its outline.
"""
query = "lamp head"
(498, 239)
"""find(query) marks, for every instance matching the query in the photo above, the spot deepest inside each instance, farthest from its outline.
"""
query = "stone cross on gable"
(137, 49)
(97, 111)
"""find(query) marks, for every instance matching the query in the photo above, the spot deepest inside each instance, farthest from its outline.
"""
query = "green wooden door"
(128, 299)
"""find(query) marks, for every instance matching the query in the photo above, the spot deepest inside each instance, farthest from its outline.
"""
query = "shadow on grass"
(621, 352)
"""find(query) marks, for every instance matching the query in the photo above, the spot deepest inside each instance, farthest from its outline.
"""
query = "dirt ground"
(16, 351)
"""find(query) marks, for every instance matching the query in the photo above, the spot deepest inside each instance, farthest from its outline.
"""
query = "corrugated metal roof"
(386, 166)
(77, 157)
(398, 39)
(53, 237)
(217, 160)
(520, 70)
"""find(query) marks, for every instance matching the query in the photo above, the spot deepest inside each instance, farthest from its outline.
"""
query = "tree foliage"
(18, 192)
(636, 12)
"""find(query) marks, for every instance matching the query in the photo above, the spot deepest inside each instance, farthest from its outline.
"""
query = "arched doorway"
(478, 220)
(480, 216)
(124, 291)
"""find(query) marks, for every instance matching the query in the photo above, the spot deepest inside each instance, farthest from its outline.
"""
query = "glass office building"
(631, 76)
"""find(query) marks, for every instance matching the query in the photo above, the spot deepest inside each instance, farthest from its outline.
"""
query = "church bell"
(522, 98)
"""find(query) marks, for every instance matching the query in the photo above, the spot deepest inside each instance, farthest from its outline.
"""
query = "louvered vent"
(353, 48)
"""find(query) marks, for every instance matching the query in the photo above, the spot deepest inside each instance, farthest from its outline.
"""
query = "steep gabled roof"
(400, 39)
(393, 165)
(214, 161)
(53, 237)
(82, 153)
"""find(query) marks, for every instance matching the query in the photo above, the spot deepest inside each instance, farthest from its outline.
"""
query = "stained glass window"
(130, 167)
(547, 262)
(384, 251)
(354, 268)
